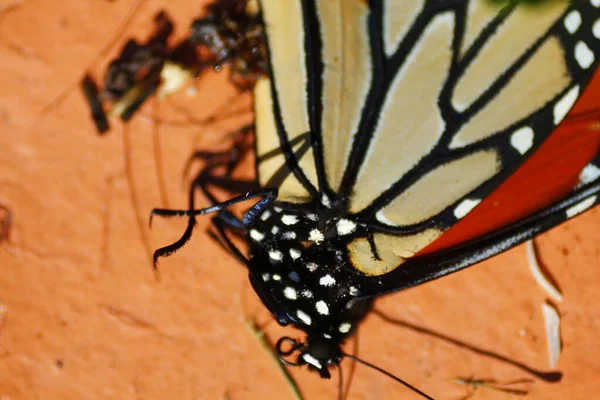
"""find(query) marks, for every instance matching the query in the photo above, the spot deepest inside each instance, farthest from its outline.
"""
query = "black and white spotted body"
(300, 271)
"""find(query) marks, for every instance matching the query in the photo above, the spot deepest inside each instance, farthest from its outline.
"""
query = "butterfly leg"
(210, 176)
(204, 179)
(222, 238)
(230, 158)
(267, 196)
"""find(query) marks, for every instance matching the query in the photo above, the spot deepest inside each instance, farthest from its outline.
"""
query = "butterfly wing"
(413, 116)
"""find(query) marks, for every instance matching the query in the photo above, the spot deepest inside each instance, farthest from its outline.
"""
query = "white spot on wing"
(465, 207)
(345, 327)
(256, 235)
(307, 293)
(596, 29)
(322, 307)
(522, 139)
(325, 201)
(327, 280)
(274, 229)
(353, 291)
(562, 106)
(288, 219)
(290, 293)
(295, 254)
(583, 55)
(316, 236)
(304, 317)
(581, 206)
(573, 21)
(595, 3)
(275, 255)
(266, 277)
(588, 174)
(345, 227)
(312, 267)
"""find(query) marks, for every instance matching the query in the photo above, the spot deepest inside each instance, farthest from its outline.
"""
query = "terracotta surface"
(82, 315)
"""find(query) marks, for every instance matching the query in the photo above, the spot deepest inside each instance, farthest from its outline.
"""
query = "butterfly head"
(318, 353)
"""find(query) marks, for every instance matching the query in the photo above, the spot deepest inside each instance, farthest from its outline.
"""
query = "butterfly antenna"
(395, 378)
(352, 367)
(550, 376)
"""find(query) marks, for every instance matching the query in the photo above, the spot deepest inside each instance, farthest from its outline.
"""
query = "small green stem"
(259, 334)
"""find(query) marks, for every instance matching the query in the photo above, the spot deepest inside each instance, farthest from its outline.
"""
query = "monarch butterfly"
(399, 142)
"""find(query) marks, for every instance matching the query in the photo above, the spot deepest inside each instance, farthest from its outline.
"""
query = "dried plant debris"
(551, 316)
(132, 77)
(260, 336)
(552, 324)
(508, 387)
(539, 275)
(233, 33)
(92, 95)
(229, 35)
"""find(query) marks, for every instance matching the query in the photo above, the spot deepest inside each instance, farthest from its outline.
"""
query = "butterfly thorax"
(300, 270)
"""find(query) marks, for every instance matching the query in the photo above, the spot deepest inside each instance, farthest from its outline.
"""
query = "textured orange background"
(82, 316)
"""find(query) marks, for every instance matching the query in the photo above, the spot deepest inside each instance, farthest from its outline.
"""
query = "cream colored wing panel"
(266, 131)
(398, 17)
(528, 91)
(307, 165)
(267, 141)
(410, 123)
(285, 34)
(479, 14)
(393, 250)
(292, 191)
(346, 79)
(518, 33)
(424, 199)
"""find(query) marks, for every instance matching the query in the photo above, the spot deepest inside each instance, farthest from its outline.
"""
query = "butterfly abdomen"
(301, 270)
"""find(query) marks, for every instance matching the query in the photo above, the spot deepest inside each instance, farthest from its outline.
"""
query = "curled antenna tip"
(388, 374)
